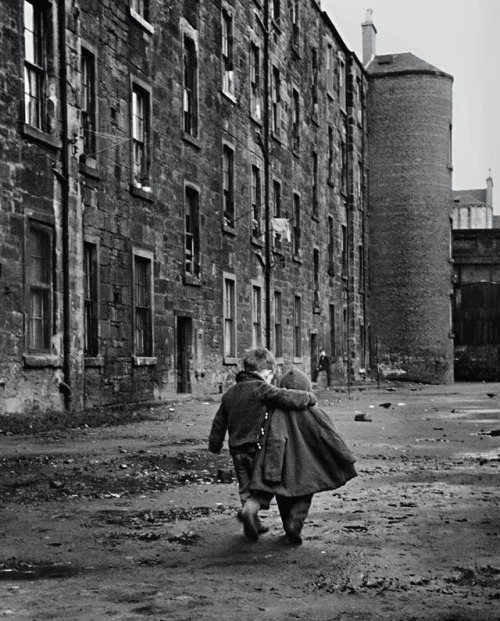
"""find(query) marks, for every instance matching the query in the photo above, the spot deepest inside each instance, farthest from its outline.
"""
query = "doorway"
(184, 343)
(314, 354)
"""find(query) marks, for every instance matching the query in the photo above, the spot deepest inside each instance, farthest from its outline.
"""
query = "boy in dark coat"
(242, 414)
(302, 454)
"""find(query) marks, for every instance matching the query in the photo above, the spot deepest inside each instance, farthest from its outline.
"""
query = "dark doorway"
(184, 353)
(314, 354)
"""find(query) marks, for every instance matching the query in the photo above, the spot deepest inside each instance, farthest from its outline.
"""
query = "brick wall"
(409, 226)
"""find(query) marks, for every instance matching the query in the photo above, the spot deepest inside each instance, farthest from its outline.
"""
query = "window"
(190, 88)
(343, 167)
(90, 288)
(344, 251)
(345, 340)
(296, 224)
(88, 105)
(255, 85)
(192, 234)
(141, 7)
(331, 155)
(297, 327)
(316, 279)
(256, 203)
(331, 247)
(333, 344)
(143, 306)
(40, 287)
(330, 69)
(342, 85)
(276, 102)
(256, 316)
(140, 138)
(276, 11)
(276, 198)
(314, 72)
(229, 308)
(278, 325)
(228, 185)
(34, 66)
(361, 267)
(296, 121)
(227, 53)
(295, 23)
(315, 185)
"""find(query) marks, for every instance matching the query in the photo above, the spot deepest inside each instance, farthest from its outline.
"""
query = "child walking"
(242, 413)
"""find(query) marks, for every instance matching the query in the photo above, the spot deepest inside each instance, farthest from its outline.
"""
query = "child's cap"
(295, 379)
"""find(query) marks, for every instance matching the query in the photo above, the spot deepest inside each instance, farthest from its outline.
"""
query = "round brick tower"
(410, 193)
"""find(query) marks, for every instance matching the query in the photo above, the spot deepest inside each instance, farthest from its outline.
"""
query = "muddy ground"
(133, 522)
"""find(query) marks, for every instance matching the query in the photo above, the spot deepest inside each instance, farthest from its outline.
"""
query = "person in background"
(323, 365)
(242, 413)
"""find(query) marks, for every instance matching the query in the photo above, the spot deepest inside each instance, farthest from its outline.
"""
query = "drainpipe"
(63, 177)
(267, 173)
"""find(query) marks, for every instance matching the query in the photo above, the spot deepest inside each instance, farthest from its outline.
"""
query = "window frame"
(278, 323)
(143, 355)
(297, 328)
(255, 82)
(89, 106)
(276, 102)
(36, 69)
(140, 92)
(229, 320)
(297, 227)
(296, 121)
(228, 184)
(91, 298)
(227, 52)
(192, 234)
(256, 202)
(46, 288)
(190, 81)
(257, 314)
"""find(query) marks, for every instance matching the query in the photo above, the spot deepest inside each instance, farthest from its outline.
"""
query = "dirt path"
(131, 522)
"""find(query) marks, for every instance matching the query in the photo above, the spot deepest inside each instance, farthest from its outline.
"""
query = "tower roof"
(470, 197)
(389, 64)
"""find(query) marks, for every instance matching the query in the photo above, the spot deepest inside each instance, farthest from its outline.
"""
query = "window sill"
(40, 136)
(140, 193)
(316, 310)
(144, 361)
(315, 216)
(229, 96)
(331, 183)
(191, 140)
(331, 271)
(256, 241)
(41, 360)
(140, 20)
(297, 360)
(230, 230)
(94, 361)
(230, 360)
(193, 281)
(88, 170)
(295, 50)
(256, 120)
(279, 360)
(276, 26)
(298, 257)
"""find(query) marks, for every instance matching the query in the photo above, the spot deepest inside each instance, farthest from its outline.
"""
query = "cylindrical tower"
(410, 197)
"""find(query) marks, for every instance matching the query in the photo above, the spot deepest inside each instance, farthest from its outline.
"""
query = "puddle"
(492, 455)
(19, 570)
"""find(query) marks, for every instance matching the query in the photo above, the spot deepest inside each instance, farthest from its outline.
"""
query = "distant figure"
(323, 365)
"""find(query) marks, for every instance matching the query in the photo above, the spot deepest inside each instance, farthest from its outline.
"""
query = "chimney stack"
(369, 38)
(489, 190)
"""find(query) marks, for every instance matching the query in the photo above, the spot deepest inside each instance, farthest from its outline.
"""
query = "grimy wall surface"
(409, 222)
(102, 225)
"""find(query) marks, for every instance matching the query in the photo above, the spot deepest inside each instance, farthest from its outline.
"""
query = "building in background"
(476, 263)
(409, 112)
(180, 181)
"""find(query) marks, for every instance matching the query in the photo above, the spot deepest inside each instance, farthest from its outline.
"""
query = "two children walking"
(281, 444)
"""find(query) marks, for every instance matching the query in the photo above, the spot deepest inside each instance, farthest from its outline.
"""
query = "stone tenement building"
(179, 181)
